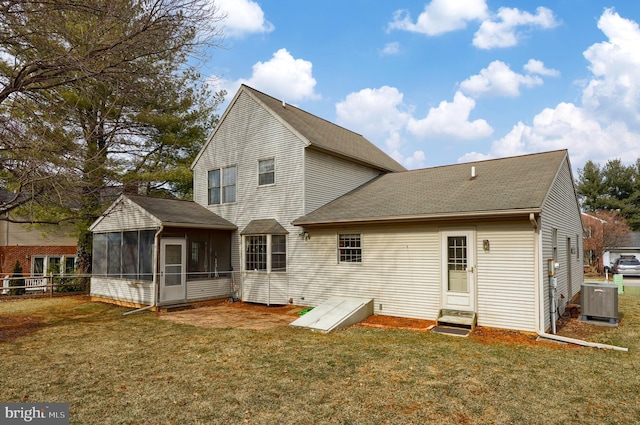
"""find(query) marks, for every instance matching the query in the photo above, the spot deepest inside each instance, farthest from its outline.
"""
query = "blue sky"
(446, 81)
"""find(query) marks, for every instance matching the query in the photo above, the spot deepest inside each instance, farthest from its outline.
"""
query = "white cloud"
(373, 111)
(283, 76)
(614, 91)
(606, 125)
(451, 120)
(243, 17)
(537, 67)
(390, 49)
(381, 116)
(503, 30)
(498, 80)
(441, 16)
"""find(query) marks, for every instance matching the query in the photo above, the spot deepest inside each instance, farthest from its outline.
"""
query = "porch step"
(174, 307)
(457, 318)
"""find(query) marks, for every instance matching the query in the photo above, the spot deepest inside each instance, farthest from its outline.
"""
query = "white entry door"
(458, 270)
(173, 270)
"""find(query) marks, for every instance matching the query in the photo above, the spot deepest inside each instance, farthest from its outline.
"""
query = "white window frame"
(270, 252)
(272, 171)
(349, 248)
(46, 261)
(226, 195)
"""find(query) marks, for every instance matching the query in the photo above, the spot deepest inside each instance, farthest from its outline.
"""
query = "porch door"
(173, 270)
(458, 270)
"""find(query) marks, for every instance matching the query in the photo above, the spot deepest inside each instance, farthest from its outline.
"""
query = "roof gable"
(318, 133)
(169, 212)
(508, 185)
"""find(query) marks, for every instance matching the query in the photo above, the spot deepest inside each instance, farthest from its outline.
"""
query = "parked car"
(627, 265)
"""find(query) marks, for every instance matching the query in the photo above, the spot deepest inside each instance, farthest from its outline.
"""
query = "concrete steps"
(457, 319)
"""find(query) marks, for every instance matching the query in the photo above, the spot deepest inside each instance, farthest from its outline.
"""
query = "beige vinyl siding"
(207, 289)
(125, 216)
(122, 290)
(560, 211)
(328, 177)
(248, 134)
(400, 270)
(266, 288)
(505, 275)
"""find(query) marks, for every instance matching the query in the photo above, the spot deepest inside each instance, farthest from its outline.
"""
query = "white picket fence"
(33, 285)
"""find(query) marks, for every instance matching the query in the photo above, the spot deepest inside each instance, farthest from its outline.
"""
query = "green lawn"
(141, 370)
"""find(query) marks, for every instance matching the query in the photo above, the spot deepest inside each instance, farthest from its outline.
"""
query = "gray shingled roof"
(502, 186)
(327, 136)
(267, 226)
(173, 212)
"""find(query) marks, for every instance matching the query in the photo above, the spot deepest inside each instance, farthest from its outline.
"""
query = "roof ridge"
(302, 110)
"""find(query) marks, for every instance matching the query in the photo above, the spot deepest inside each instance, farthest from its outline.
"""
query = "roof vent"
(284, 104)
(473, 173)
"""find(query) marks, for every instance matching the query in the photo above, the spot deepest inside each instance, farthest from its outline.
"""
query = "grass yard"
(141, 370)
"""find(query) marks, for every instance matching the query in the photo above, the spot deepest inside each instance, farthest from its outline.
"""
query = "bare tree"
(605, 229)
(68, 52)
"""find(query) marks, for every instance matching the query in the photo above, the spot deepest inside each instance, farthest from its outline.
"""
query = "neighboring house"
(39, 250)
(630, 247)
(321, 212)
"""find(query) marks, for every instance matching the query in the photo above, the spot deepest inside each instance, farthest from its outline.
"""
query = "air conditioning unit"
(599, 301)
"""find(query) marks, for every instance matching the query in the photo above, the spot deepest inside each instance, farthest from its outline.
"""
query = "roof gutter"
(198, 226)
(419, 218)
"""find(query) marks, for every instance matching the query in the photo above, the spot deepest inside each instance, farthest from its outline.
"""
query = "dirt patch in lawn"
(15, 326)
(236, 315)
(254, 316)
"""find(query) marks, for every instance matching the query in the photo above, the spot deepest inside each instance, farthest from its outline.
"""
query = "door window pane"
(457, 263)
(173, 254)
(173, 275)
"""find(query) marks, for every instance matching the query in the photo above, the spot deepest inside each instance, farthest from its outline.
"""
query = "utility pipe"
(580, 342)
(138, 310)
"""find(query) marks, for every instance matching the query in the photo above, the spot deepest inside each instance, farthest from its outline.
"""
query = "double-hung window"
(222, 185)
(266, 172)
(350, 248)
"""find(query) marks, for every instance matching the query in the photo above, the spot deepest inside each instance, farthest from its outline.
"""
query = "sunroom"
(153, 252)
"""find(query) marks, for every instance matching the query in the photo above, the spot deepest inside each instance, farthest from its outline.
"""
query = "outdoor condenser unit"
(599, 302)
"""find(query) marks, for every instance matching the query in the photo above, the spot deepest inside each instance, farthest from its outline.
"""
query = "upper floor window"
(222, 185)
(266, 172)
(349, 248)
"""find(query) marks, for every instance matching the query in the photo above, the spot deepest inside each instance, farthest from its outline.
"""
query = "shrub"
(17, 272)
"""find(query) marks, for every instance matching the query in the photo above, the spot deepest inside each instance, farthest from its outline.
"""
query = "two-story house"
(297, 210)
